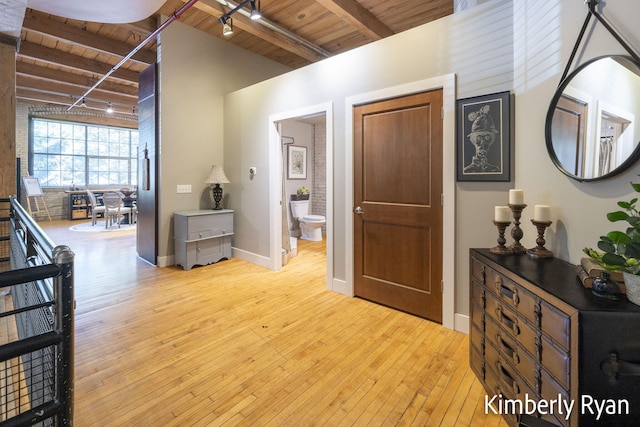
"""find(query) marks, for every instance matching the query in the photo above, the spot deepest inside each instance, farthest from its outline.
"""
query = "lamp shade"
(217, 176)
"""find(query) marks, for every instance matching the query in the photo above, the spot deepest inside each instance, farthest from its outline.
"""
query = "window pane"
(66, 146)
(39, 129)
(53, 146)
(64, 153)
(40, 144)
(66, 131)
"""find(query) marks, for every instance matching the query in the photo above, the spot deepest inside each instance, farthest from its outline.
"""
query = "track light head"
(255, 11)
(227, 25)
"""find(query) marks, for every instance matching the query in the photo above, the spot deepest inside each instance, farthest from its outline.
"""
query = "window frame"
(89, 152)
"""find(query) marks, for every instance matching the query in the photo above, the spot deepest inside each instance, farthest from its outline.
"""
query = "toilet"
(310, 225)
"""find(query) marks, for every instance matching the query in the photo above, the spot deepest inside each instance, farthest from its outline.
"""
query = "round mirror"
(591, 127)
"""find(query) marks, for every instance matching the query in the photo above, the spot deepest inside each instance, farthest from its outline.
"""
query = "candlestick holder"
(540, 251)
(516, 231)
(501, 249)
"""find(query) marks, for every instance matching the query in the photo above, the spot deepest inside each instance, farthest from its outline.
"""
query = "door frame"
(447, 84)
(275, 182)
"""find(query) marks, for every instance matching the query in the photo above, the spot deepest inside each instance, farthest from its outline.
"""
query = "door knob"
(358, 210)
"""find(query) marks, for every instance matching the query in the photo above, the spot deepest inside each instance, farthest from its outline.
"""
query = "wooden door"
(398, 203)
(569, 124)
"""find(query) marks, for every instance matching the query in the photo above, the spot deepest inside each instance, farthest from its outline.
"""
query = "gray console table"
(202, 237)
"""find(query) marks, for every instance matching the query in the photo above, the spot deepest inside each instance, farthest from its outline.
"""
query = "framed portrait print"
(483, 139)
(297, 162)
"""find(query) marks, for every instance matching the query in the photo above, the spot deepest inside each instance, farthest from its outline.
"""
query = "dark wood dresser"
(536, 333)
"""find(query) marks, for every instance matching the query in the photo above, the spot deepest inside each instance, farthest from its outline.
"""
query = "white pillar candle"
(542, 213)
(516, 197)
(503, 214)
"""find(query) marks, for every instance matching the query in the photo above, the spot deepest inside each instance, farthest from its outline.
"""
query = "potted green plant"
(620, 250)
(302, 193)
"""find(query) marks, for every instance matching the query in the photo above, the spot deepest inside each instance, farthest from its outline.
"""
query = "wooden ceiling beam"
(53, 56)
(60, 104)
(84, 81)
(359, 17)
(213, 8)
(73, 91)
(97, 100)
(80, 37)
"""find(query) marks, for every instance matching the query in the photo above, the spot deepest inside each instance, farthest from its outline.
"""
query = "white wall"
(196, 70)
(522, 46)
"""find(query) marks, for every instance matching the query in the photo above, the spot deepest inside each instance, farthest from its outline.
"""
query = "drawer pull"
(507, 378)
(506, 348)
(509, 293)
(508, 322)
(614, 368)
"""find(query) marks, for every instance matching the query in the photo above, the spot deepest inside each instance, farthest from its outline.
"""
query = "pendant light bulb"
(83, 104)
(109, 108)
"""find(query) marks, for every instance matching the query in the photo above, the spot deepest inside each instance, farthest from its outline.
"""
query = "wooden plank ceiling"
(59, 59)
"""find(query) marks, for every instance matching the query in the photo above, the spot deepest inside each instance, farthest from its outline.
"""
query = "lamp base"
(216, 193)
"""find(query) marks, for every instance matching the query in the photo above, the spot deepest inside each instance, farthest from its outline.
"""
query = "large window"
(65, 153)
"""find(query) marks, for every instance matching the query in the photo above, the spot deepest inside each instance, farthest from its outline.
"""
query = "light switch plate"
(184, 188)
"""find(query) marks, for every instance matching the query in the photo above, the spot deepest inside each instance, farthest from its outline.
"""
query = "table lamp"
(216, 177)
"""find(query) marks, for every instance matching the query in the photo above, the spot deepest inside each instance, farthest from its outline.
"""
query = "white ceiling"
(109, 11)
(12, 16)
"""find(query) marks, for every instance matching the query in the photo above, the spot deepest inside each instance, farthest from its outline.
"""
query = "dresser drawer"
(512, 295)
(476, 352)
(551, 390)
(510, 323)
(204, 226)
(555, 324)
(477, 293)
(556, 361)
(477, 316)
(477, 270)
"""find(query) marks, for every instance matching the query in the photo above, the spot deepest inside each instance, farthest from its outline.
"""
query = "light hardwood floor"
(235, 344)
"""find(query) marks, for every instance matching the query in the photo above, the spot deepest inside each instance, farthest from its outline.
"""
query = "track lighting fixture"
(255, 12)
(227, 22)
(227, 26)
(109, 108)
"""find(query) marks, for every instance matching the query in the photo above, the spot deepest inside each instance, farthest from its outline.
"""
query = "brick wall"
(319, 190)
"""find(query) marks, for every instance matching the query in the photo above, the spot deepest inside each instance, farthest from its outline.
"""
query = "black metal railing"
(36, 315)
(4, 235)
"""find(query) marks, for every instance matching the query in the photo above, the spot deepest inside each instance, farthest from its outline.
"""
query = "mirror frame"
(635, 155)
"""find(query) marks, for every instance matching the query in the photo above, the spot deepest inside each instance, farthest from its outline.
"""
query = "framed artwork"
(297, 162)
(483, 139)
(32, 186)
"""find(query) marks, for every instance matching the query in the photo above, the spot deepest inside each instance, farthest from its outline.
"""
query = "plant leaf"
(617, 216)
(606, 247)
(633, 250)
(618, 237)
(613, 259)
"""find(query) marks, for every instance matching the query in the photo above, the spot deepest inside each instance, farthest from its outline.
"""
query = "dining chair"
(95, 207)
(113, 204)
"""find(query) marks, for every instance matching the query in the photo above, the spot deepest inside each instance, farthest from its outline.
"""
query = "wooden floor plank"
(236, 344)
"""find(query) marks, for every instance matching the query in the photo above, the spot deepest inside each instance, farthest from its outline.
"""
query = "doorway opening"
(301, 153)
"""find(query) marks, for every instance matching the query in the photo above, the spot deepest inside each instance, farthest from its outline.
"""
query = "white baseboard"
(340, 286)
(260, 260)
(165, 261)
(461, 323)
